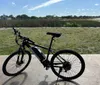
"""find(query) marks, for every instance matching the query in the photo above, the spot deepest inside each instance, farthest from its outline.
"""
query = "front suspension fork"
(20, 56)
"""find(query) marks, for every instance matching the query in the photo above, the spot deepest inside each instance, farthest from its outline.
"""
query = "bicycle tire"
(68, 66)
(13, 55)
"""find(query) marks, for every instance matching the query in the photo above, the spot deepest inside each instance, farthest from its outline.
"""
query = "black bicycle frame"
(49, 49)
(43, 59)
(26, 42)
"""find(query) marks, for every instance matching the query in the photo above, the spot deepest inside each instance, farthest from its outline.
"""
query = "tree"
(23, 16)
(11, 16)
(4, 17)
(33, 17)
(50, 16)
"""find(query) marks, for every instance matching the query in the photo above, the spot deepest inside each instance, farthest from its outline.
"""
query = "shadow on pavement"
(44, 82)
(16, 80)
(57, 82)
(62, 82)
(20, 79)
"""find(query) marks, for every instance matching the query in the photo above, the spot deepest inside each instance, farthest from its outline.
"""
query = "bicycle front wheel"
(67, 64)
(16, 63)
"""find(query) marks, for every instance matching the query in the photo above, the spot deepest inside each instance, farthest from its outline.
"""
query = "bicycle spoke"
(74, 59)
(12, 68)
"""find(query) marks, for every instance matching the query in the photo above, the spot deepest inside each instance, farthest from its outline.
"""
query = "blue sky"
(50, 7)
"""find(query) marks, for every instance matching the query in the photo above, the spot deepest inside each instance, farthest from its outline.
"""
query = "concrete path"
(35, 74)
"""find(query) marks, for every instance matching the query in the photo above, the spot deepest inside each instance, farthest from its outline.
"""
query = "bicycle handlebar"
(14, 30)
(17, 33)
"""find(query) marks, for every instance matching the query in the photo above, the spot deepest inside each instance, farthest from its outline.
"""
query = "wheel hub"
(19, 63)
(67, 66)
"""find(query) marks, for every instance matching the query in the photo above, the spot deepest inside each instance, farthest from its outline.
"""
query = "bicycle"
(65, 64)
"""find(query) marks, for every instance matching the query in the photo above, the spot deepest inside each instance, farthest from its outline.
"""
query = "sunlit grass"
(82, 40)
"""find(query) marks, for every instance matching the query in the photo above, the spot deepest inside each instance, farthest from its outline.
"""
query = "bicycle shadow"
(57, 82)
(62, 82)
(44, 82)
(16, 80)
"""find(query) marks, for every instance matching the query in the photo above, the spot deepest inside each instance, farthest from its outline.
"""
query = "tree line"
(48, 21)
(24, 16)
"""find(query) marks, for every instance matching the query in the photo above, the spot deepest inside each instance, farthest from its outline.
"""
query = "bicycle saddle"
(54, 34)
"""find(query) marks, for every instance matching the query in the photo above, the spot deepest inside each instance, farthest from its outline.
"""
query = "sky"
(50, 7)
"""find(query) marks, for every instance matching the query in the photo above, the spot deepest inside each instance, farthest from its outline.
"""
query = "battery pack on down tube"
(38, 53)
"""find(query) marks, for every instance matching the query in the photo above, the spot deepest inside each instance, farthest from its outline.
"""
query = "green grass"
(82, 40)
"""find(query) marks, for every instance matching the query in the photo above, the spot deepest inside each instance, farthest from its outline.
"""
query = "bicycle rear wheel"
(67, 64)
(16, 63)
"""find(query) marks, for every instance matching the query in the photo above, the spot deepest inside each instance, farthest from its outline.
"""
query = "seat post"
(50, 46)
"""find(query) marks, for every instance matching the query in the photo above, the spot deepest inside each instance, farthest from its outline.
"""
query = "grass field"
(82, 40)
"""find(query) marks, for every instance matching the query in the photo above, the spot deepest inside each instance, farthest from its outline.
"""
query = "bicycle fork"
(20, 57)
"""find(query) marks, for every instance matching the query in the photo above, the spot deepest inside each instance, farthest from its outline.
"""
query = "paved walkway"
(35, 74)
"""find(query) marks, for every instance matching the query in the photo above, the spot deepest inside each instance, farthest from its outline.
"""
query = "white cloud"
(96, 4)
(50, 2)
(13, 3)
(78, 10)
(87, 9)
(83, 9)
(25, 6)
